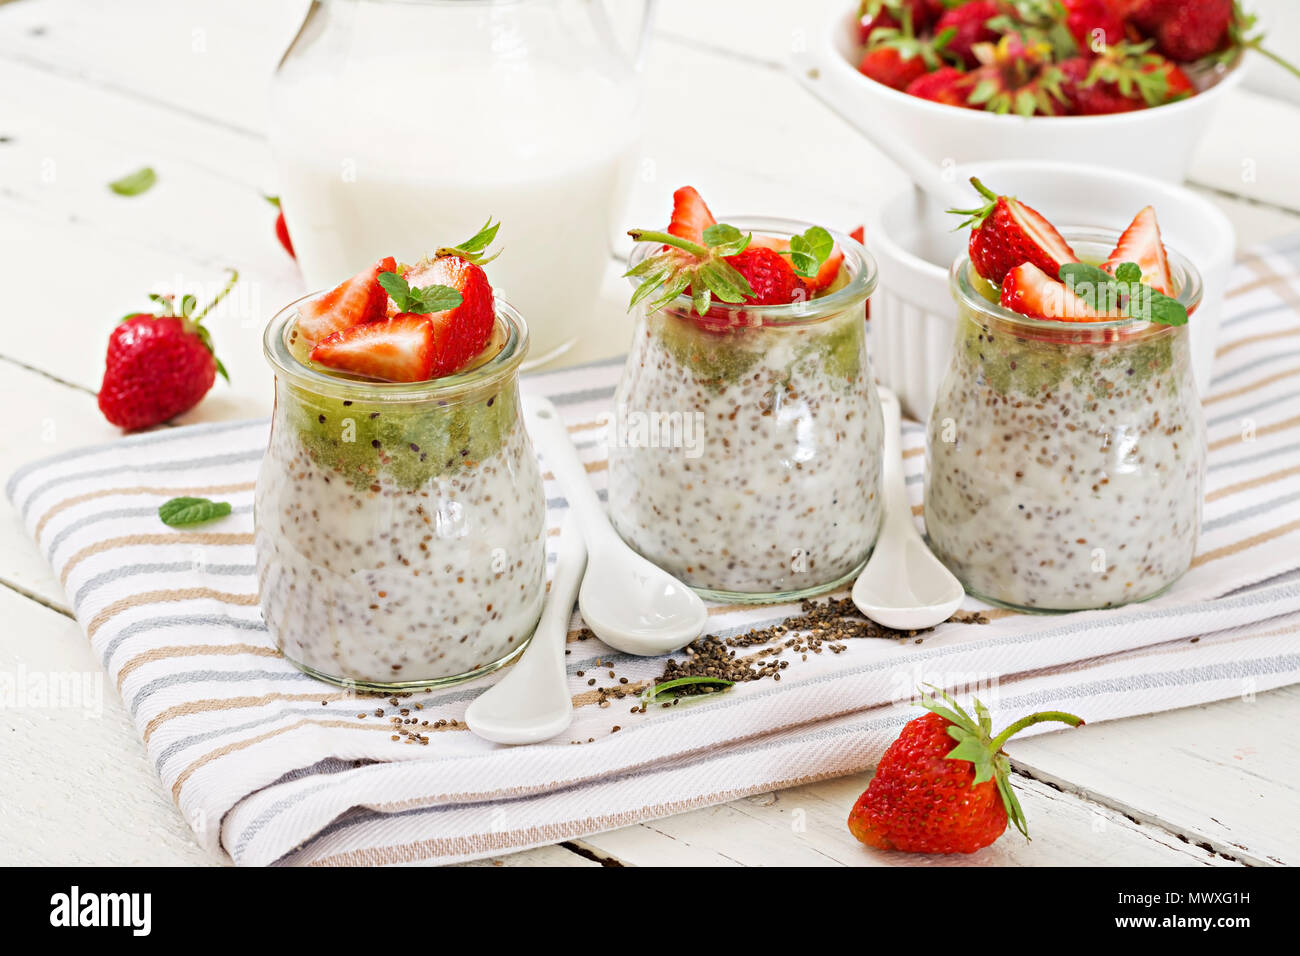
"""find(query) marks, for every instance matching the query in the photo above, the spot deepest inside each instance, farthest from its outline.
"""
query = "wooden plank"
(75, 783)
(1225, 774)
(805, 826)
(549, 856)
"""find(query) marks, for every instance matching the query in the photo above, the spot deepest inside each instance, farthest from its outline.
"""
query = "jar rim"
(862, 280)
(283, 362)
(1186, 278)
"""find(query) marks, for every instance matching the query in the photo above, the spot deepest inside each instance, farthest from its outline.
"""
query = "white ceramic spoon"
(631, 605)
(531, 702)
(903, 586)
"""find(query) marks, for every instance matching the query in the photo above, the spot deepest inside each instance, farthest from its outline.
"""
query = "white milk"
(397, 158)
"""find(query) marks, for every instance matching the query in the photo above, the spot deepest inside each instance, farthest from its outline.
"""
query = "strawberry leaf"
(186, 511)
(473, 248)
(481, 239)
(133, 184)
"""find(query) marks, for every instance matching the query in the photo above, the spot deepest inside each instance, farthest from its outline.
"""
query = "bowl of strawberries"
(1130, 84)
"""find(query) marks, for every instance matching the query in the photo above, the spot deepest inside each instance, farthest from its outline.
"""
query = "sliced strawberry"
(357, 301)
(690, 215)
(400, 349)
(1030, 291)
(461, 333)
(825, 275)
(1007, 232)
(1141, 243)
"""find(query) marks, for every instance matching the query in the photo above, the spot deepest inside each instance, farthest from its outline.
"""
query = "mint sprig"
(186, 511)
(133, 184)
(809, 250)
(1124, 292)
(431, 298)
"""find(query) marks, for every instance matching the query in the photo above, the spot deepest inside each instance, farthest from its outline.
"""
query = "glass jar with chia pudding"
(400, 527)
(745, 448)
(1065, 460)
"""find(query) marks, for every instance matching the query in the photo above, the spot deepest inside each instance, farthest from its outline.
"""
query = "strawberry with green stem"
(897, 56)
(281, 230)
(1015, 77)
(1126, 77)
(944, 785)
(730, 266)
(1006, 232)
(971, 23)
(161, 364)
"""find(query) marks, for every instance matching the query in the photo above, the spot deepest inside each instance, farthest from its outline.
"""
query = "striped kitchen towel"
(270, 766)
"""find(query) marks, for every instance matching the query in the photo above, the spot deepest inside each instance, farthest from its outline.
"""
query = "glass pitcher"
(399, 126)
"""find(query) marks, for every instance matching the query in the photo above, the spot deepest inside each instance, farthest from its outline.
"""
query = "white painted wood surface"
(89, 91)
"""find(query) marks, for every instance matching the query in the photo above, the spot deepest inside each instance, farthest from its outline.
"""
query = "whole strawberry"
(1185, 30)
(944, 785)
(969, 24)
(281, 230)
(159, 365)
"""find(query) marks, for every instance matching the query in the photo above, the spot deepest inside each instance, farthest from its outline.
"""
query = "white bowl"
(913, 240)
(1155, 142)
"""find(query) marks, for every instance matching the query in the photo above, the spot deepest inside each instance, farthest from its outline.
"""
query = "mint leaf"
(1129, 272)
(186, 511)
(808, 251)
(1095, 286)
(669, 690)
(1107, 293)
(395, 286)
(432, 298)
(135, 183)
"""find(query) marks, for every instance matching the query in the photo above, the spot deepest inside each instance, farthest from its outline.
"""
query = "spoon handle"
(553, 628)
(898, 511)
(548, 431)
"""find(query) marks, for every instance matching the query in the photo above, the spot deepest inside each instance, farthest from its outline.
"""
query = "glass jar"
(400, 528)
(397, 123)
(745, 448)
(1065, 462)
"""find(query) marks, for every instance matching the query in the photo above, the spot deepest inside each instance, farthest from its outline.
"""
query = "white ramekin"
(913, 240)
(1155, 142)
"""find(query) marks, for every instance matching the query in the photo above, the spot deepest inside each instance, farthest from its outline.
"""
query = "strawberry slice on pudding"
(354, 301)
(1030, 291)
(400, 349)
(1141, 243)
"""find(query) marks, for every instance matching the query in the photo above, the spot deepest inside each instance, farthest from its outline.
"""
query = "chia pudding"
(745, 449)
(1065, 460)
(400, 527)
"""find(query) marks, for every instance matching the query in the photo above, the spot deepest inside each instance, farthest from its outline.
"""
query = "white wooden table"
(90, 91)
